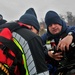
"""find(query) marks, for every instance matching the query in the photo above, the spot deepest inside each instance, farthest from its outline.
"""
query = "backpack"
(11, 60)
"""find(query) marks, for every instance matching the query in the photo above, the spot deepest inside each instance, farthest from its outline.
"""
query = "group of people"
(61, 41)
(58, 39)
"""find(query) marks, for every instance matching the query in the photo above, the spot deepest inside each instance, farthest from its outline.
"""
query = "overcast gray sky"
(13, 9)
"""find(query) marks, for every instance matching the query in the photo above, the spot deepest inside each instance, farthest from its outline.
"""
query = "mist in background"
(13, 9)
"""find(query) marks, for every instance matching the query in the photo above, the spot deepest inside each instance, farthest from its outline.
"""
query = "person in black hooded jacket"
(33, 58)
(59, 39)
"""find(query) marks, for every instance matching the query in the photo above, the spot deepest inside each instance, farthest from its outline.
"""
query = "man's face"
(55, 28)
(34, 30)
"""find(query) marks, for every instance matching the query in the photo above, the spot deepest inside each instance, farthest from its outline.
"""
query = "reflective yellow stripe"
(23, 56)
(48, 42)
(6, 65)
(18, 45)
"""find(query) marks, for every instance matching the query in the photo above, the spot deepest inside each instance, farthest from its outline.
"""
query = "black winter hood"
(52, 17)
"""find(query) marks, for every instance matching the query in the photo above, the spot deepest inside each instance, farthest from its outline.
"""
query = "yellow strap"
(23, 55)
(48, 42)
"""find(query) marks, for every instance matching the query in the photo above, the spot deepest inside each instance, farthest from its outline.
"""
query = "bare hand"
(65, 43)
(56, 56)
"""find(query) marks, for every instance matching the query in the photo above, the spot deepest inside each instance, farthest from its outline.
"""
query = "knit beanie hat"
(30, 18)
(52, 18)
